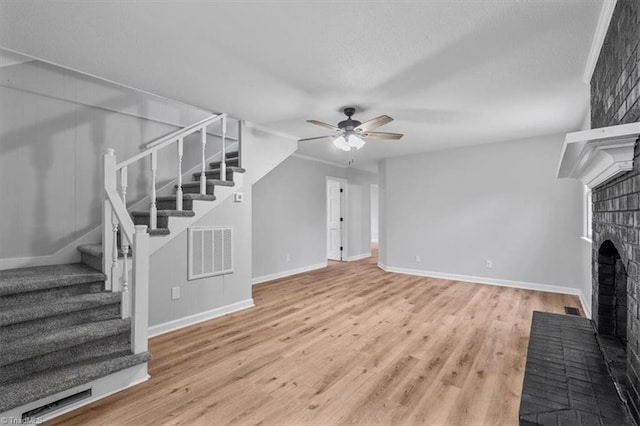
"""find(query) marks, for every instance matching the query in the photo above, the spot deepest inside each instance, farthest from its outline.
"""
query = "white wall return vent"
(210, 251)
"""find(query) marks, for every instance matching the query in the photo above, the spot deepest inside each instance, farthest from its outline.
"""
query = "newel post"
(109, 230)
(140, 293)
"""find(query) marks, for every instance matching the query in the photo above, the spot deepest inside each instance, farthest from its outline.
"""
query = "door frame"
(344, 225)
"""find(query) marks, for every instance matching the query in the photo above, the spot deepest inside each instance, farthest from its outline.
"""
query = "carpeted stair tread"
(46, 325)
(94, 250)
(43, 277)
(54, 381)
(39, 344)
(49, 294)
(109, 346)
(159, 232)
(231, 162)
(205, 197)
(233, 169)
(165, 213)
(214, 182)
(17, 314)
(216, 172)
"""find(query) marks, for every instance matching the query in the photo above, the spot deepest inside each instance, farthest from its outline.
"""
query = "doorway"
(336, 195)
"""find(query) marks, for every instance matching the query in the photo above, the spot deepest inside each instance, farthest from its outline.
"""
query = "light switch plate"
(238, 197)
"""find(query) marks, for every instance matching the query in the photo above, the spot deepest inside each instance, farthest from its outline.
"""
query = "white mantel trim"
(594, 156)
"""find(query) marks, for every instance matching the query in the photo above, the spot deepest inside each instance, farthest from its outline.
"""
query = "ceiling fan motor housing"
(349, 124)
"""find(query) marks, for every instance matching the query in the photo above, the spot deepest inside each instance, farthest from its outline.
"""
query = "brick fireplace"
(615, 90)
(615, 286)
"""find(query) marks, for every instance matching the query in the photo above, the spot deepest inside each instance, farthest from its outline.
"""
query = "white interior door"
(334, 225)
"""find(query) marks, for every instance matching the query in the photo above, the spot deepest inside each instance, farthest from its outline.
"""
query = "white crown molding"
(270, 131)
(318, 160)
(597, 155)
(598, 38)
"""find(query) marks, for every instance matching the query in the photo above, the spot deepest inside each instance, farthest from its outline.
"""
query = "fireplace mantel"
(597, 155)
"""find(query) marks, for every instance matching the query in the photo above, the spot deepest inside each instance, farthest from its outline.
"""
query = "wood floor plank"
(347, 344)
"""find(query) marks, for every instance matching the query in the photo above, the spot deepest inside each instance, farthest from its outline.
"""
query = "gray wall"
(289, 215)
(54, 126)
(500, 202)
(374, 213)
(169, 269)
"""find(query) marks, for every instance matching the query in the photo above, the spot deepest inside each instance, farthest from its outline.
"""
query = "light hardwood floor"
(349, 344)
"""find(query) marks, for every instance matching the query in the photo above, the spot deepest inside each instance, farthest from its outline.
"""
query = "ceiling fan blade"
(328, 126)
(372, 124)
(382, 135)
(315, 138)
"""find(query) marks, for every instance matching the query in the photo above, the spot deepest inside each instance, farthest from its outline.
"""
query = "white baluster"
(153, 211)
(126, 303)
(223, 163)
(114, 251)
(123, 185)
(203, 175)
(108, 236)
(179, 189)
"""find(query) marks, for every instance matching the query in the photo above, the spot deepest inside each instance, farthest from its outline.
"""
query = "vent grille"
(210, 251)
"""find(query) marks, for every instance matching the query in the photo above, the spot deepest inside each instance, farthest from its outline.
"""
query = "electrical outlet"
(489, 264)
(175, 293)
(288, 257)
(418, 259)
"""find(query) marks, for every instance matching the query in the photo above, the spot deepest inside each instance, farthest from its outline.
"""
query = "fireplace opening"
(611, 314)
(612, 293)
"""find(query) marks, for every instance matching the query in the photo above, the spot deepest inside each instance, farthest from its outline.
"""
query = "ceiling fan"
(350, 133)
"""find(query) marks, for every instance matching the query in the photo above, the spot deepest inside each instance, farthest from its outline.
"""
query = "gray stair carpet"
(16, 314)
(45, 277)
(58, 329)
(60, 339)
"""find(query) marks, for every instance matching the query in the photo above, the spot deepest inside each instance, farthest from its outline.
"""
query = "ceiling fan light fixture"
(341, 143)
(355, 141)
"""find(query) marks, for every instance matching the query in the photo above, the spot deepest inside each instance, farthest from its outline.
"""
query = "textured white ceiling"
(451, 73)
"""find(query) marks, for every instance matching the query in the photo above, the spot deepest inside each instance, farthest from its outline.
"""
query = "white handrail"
(171, 138)
(178, 132)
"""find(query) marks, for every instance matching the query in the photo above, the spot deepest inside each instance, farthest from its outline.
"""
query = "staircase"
(71, 334)
(59, 331)
(92, 254)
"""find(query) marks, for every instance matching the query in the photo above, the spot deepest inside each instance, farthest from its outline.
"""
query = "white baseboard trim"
(358, 257)
(586, 304)
(166, 327)
(482, 280)
(283, 274)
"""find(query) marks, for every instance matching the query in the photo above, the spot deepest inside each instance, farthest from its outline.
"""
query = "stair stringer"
(100, 388)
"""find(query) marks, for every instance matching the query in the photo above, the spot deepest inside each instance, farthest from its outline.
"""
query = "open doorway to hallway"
(336, 226)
